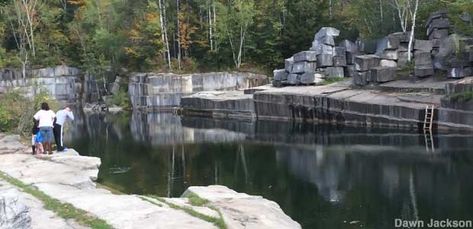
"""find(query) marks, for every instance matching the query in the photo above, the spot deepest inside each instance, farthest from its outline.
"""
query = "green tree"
(303, 18)
(236, 16)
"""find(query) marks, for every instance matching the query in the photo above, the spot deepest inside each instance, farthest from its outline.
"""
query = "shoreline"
(69, 179)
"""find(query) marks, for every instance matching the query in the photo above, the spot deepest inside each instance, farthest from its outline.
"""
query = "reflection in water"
(322, 176)
(159, 128)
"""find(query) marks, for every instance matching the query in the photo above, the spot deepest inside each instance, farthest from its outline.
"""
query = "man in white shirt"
(61, 117)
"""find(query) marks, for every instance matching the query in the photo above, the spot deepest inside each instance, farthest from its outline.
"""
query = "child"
(35, 131)
(39, 143)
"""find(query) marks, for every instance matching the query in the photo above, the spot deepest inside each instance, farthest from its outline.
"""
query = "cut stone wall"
(219, 104)
(356, 107)
(155, 90)
(62, 82)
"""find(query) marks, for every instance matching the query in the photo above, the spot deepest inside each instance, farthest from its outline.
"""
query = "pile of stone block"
(363, 66)
(323, 60)
(438, 27)
(380, 67)
(452, 54)
(423, 58)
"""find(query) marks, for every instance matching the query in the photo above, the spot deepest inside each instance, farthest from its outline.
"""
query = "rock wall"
(220, 104)
(337, 105)
(62, 82)
(155, 90)
(456, 107)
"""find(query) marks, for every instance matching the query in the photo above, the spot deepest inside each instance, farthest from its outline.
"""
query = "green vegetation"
(153, 202)
(195, 200)
(188, 36)
(16, 111)
(332, 80)
(218, 222)
(406, 71)
(462, 97)
(120, 99)
(66, 211)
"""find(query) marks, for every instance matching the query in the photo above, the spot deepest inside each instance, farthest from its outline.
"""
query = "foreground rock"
(240, 210)
(13, 213)
(69, 178)
(20, 210)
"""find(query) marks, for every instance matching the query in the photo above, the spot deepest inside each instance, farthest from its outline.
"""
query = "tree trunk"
(215, 25)
(240, 49)
(164, 33)
(29, 8)
(411, 38)
(381, 9)
(402, 12)
(210, 30)
(178, 33)
(330, 8)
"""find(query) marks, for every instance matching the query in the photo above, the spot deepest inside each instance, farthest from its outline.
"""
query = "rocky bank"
(70, 178)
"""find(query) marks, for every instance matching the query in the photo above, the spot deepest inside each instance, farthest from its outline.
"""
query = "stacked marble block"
(438, 26)
(423, 66)
(324, 60)
(299, 69)
(391, 54)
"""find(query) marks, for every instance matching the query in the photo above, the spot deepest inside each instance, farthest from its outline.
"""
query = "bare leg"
(50, 148)
(47, 147)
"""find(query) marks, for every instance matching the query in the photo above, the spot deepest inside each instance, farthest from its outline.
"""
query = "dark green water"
(321, 176)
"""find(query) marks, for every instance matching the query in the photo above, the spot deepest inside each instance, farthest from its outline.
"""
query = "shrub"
(16, 111)
(462, 97)
(120, 99)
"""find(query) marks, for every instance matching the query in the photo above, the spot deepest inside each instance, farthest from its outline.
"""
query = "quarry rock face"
(155, 90)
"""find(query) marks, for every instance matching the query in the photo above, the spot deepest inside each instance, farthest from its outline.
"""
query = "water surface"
(321, 176)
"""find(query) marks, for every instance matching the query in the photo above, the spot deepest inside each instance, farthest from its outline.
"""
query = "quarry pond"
(321, 176)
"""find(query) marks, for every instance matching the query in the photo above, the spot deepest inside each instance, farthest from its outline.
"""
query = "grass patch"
(147, 200)
(195, 200)
(218, 222)
(63, 210)
(332, 80)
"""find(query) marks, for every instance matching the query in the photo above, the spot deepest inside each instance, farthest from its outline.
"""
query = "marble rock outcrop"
(240, 210)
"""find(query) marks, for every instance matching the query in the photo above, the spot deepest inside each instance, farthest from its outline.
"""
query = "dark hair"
(45, 106)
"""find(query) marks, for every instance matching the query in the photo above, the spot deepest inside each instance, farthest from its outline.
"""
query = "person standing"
(61, 117)
(34, 133)
(45, 116)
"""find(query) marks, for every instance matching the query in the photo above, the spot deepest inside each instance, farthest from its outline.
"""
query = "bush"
(16, 111)
(462, 97)
(120, 99)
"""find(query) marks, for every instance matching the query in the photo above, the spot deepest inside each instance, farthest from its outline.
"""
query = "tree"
(402, 7)
(164, 33)
(236, 17)
(145, 40)
(22, 18)
(265, 34)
